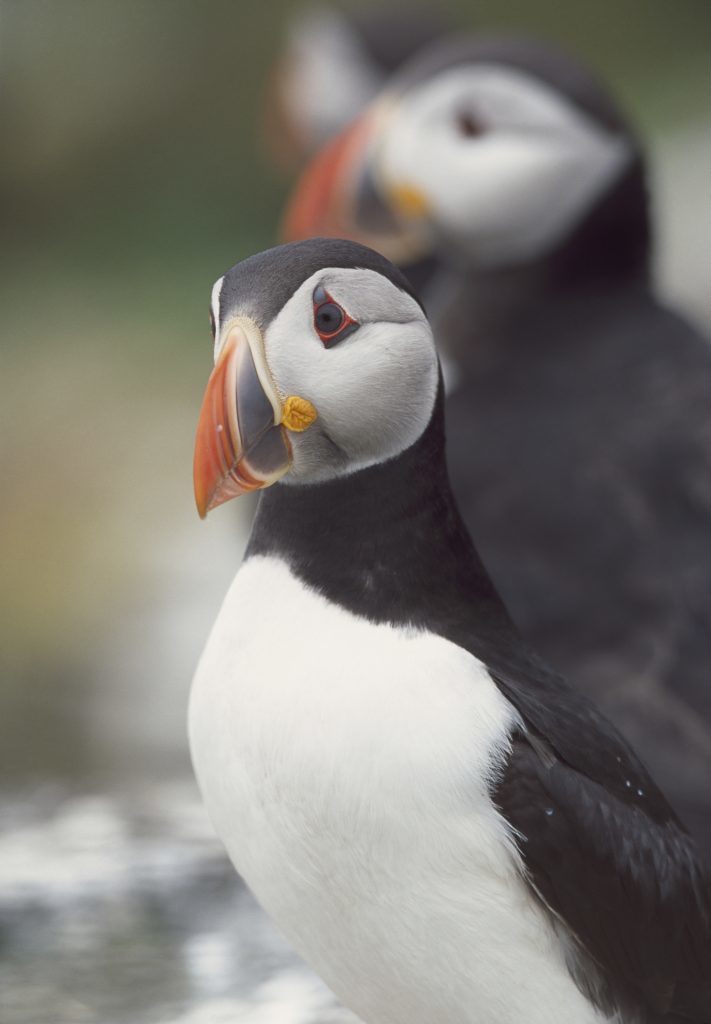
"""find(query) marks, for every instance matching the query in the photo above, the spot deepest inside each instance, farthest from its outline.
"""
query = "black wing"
(607, 855)
(597, 530)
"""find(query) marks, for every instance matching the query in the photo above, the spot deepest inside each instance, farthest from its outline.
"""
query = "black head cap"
(261, 285)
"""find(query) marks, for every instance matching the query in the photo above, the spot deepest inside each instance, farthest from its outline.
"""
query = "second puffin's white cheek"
(511, 196)
(502, 183)
(521, 197)
(402, 160)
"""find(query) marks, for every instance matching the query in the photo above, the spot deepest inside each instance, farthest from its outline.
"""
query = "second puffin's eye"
(331, 321)
(468, 125)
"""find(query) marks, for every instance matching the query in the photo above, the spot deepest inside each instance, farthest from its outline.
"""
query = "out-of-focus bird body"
(587, 498)
(578, 425)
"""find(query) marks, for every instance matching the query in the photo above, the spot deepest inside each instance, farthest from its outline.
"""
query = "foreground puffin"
(441, 826)
(580, 428)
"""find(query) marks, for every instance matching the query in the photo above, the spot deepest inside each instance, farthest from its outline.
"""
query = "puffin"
(441, 825)
(579, 417)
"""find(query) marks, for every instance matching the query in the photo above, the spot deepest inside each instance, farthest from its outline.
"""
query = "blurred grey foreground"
(125, 911)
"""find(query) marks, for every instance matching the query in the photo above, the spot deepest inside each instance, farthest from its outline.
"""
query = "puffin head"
(492, 152)
(324, 365)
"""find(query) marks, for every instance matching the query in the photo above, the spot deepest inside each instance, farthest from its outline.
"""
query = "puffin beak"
(242, 442)
(322, 202)
(339, 194)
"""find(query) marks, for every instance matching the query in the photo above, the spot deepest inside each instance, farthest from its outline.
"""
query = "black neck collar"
(614, 242)
(388, 543)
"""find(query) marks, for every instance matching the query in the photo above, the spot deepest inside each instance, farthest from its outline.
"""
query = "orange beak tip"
(238, 446)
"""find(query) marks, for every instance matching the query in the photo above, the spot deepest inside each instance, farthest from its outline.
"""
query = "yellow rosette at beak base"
(298, 414)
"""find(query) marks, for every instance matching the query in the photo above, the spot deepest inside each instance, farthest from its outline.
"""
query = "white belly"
(345, 766)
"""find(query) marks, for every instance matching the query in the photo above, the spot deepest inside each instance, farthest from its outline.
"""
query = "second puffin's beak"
(242, 442)
(322, 203)
(339, 195)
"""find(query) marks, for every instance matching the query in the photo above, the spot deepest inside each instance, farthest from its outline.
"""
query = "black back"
(590, 502)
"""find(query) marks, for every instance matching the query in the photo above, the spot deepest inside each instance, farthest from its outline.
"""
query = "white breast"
(346, 765)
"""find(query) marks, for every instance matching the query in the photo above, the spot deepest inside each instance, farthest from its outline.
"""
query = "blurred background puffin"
(588, 490)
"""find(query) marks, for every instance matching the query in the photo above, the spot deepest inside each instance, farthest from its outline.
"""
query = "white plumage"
(346, 765)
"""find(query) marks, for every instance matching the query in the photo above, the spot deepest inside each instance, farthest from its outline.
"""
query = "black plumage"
(588, 491)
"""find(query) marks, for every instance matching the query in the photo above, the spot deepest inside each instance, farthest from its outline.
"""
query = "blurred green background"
(132, 175)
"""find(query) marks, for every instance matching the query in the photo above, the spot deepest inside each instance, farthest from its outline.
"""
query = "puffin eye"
(331, 321)
(329, 318)
(212, 323)
(468, 125)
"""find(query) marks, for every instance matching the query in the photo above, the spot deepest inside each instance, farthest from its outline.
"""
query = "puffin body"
(351, 791)
(579, 426)
(610, 520)
(441, 826)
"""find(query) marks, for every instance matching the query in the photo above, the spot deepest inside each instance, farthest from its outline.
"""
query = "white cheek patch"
(516, 190)
(531, 194)
(383, 391)
(215, 307)
(374, 392)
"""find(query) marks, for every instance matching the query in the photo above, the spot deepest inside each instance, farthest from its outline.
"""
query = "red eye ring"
(331, 322)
